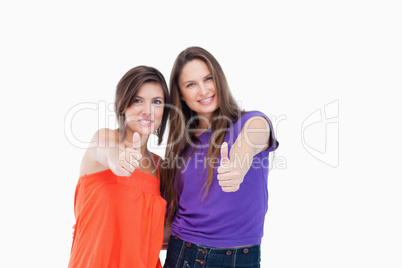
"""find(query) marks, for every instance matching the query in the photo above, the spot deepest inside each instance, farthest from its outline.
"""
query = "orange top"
(119, 221)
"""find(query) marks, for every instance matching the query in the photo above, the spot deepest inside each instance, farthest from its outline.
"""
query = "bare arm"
(166, 234)
(107, 153)
(253, 139)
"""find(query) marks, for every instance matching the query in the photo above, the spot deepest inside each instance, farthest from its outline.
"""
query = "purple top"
(223, 219)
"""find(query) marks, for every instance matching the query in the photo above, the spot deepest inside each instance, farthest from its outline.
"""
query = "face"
(145, 113)
(198, 88)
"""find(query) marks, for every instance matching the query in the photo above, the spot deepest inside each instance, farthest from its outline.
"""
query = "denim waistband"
(185, 254)
(216, 250)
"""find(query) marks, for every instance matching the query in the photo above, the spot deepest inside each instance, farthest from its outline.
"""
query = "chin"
(145, 132)
(142, 130)
(209, 110)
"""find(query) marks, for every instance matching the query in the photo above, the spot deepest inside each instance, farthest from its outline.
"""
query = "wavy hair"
(180, 125)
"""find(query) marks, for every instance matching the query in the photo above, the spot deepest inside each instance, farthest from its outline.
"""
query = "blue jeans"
(181, 254)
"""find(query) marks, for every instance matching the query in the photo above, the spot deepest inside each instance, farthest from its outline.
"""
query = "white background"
(285, 58)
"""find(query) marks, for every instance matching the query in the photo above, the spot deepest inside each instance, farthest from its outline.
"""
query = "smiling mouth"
(145, 122)
(208, 100)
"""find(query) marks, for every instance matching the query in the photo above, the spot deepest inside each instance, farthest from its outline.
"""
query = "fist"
(228, 175)
(129, 158)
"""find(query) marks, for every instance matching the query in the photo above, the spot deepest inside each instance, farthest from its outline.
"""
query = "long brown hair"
(127, 89)
(181, 124)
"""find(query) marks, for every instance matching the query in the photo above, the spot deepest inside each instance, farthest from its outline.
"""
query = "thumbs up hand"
(228, 175)
(129, 158)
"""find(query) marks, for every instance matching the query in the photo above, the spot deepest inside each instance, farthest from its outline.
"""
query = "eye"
(209, 78)
(157, 102)
(190, 85)
(137, 101)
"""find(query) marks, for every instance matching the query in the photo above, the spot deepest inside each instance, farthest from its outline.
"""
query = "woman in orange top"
(118, 209)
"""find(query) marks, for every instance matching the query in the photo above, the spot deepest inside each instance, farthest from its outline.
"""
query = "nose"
(147, 109)
(203, 89)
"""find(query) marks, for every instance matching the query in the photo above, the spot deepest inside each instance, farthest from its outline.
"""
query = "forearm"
(166, 235)
(108, 157)
(253, 139)
(242, 159)
(108, 148)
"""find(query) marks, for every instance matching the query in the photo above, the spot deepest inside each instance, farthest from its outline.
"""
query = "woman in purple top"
(216, 183)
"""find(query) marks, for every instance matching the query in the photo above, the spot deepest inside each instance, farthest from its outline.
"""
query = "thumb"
(136, 141)
(224, 154)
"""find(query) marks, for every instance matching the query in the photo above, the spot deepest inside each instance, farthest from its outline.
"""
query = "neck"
(202, 127)
(204, 122)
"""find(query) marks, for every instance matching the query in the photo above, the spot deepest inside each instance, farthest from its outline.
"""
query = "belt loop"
(181, 252)
(234, 258)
